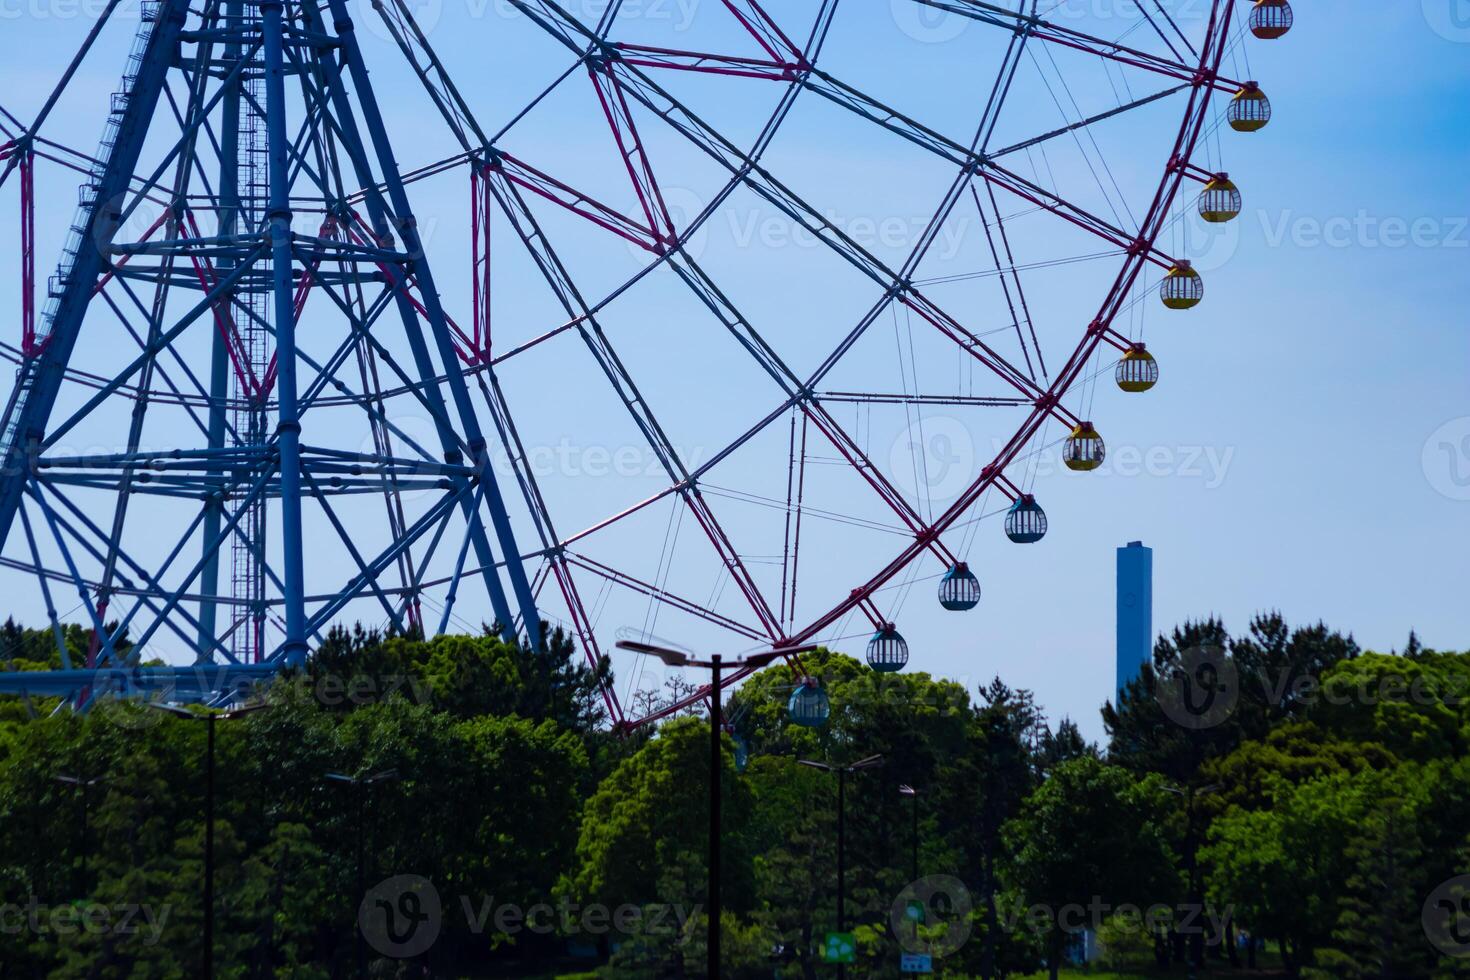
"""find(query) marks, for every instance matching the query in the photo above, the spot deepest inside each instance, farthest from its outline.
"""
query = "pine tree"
(1378, 934)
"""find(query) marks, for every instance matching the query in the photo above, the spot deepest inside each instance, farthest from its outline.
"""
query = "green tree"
(921, 727)
(1281, 668)
(1418, 708)
(644, 833)
(991, 781)
(1293, 753)
(1409, 841)
(1282, 868)
(1090, 836)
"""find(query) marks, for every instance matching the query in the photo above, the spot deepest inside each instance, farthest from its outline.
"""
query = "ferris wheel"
(727, 294)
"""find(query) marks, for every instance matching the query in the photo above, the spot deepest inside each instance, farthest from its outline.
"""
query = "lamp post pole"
(209, 847)
(715, 804)
(361, 784)
(82, 785)
(1194, 952)
(715, 664)
(842, 772)
(209, 718)
(913, 794)
(841, 858)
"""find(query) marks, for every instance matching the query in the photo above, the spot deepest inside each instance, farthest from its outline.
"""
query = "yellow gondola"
(1250, 110)
(1182, 287)
(1137, 370)
(1083, 449)
(1220, 201)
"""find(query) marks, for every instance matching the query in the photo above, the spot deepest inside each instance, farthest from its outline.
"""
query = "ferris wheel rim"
(1045, 401)
(1133, 264)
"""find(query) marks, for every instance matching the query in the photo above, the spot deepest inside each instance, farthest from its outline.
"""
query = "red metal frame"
(224, 320)
(612, 69)
(480, 212)
(1188, 137)
(1139, 253)
(543, 185)
(630, 146)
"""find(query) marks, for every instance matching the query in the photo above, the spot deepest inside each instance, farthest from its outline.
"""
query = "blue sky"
(1308, 448)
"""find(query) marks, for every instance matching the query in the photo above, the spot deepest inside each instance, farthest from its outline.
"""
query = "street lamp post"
(716, 806)
(1195, 953)
(209, 718)
(716, 665)
(913, 794)
(842, 772)
(361, 784)
(82, 785)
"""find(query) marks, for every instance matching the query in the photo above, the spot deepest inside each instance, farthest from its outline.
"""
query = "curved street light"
(716, 663)
(209, 718)
(871, 762)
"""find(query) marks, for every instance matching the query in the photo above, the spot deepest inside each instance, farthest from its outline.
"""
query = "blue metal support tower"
(228, 268)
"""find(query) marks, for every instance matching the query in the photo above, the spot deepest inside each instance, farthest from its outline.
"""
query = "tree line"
(1275, 795)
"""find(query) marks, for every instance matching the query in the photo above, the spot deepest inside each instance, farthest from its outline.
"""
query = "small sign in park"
(839, 947)
(916, 963)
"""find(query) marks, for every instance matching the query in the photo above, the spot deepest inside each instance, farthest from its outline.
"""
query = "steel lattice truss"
(246, 225)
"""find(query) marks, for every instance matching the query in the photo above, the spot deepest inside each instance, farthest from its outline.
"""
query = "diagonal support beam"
(1044, 30)
(400, 220)
(598, 344)
(635, 156)
(39, 380)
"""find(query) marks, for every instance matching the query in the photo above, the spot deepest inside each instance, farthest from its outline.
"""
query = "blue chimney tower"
(1135, 611)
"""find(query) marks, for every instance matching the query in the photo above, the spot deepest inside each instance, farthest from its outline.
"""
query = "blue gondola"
(808, 705)
(887, 650)
(959, 589)
(742, 753)
(1026, 521)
